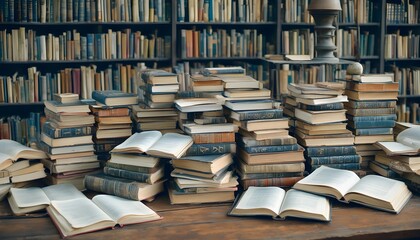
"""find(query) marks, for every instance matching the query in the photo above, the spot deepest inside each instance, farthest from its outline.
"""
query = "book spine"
(66, 132)
(211, 149)
(266, 149)
(99, 97)
(346, 166)
(372, 131)
(104, 147)
(266, 142)
(278, 182)
(373, 112)
(322, 107)
(330, 151)
(113, 186)
(137, 176)
(372, 124)
(371, 104)
(256, 115)
(334, 159)
(270, 175)
(375, 118)
(129, 167)
(269, 168)
(226, 137)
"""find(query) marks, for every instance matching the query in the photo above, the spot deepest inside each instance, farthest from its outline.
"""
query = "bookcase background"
(382, 18)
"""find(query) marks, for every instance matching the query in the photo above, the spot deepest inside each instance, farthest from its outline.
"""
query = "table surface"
(209, 221)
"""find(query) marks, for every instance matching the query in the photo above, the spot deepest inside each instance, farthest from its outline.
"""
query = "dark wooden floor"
(209, 221)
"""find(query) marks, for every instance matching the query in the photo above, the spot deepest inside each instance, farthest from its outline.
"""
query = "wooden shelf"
(404, 25)
(221, 59)
(40, 104)
(87, 61)
(366, 58)
(63, 24)
(226, 23)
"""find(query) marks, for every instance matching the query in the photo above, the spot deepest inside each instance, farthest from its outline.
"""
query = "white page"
(410, 137)
(341, 180)
(262, 197)
(305, 202)
(28, 197)
(13, 149)
(4, 157)
(141, 141)
(172, 143)
(117, 207)
(80, 212)
(397, 147)
(62, 192)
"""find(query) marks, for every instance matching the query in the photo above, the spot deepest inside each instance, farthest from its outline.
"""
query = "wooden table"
(209, 221)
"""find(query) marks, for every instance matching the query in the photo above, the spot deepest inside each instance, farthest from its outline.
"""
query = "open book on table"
(82, 215)
(407, 143)
(372, 190)
(169, 145)
(279, 204)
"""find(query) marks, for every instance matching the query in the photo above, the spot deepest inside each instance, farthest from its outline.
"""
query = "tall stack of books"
(321, 126)
(112, 120)
(136, 168)
(371, 111)
(203, 175)
(19, 165)
(67, 139)
(157, 94)
(266, 154)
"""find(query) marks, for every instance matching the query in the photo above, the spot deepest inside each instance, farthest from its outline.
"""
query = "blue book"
(88, 11)
(134, 175)
(211, 149)
(82, 9)
(334, 159)
(114, 98)
(269, 175)
(371, 124)
(322, 107)
(372, 118)
(116, 82)
(55, 132)
(98, 46)
(324, 151)
(370, 104)
(83, 48)
(346, 166)
(204, 163)
(372, 131)
(257, 114)
(90, 46)
(268, 149)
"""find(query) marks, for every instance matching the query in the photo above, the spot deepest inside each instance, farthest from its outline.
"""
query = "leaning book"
(373, 191)
(82, 215)
(279, 204)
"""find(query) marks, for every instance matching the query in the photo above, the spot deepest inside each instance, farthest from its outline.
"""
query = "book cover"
(323, 151)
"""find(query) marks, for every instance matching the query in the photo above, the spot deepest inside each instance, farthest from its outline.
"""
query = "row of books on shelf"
(354, 43)
(409, 80)
(408, 113)
(403, 12)
(26, 45)
(402, 47)
(50, 11)
(22, 130)
(298, 42)
(224, 43)
(225, 11)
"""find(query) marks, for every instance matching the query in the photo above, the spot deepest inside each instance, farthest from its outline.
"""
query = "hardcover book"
(11, 151)
(279, 204)
(407, 143)
(373, 191)
(114, 98)
(206, 163)
(256, 114)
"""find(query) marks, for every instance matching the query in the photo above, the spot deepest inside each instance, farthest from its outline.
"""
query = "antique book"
(114, 97)
(279, 204)
(82, 215)
(372, 190)
(11, 151)
(407, 143)
(169, 145)
(263, 124)
(205, 163)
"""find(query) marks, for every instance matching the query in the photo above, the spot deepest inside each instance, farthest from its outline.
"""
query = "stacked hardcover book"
(67, 139)
(112, 120)
(371, 112)
(157, 94)
(321, 126)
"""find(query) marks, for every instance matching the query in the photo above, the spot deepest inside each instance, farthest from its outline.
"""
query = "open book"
(407, 143)
(81, 215)
(372, 190)
(279, 204)
(169, 145)
(10, 151)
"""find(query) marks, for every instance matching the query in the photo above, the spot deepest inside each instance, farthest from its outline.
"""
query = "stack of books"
(321, 126)
(289, 104)
(136, 170)
(19, 165)
(157, 94)
(266, 154)
(112, 120)
(67, 139)
(371, 111)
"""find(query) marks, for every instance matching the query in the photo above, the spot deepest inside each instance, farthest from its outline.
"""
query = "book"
(324, 140)
(362, 96)
(251, 142)
(159, 77)
(322, 107)
(270, 158)
(334, 159)
(269, 182)
(263, 124)
(371, 139)
(308, 89)
(245, 105)
(134, 162)
(247, 93)
(370, 104)
(192, 128)
(169, 145)
(66, 97)
(406, 143)
(107, 111)
(53, 131)
(264, 134)
(82, 215)
(134, 175)
(206, 163)
(69, 141)
(279, 204)
(122, 187)
(373, 87)
(222, 137)
(195, 198)
(372, 131)
(373, 191)
(114, 97)
(319, 117)
(11, 151)
(211, 149)
(238, 71)
(271, 148)
(372, 78)
(72, 107)
(271, 168)
(382, 169)
(256, 114)
(238, 82)
(323, 151)
(198, 104)
(28, 200)
(321, 101)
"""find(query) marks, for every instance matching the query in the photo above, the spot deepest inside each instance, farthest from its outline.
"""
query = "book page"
(397, 147)
(305, 202)
(14, 149)
(172, 143)
(80, 212)
(62, 192)
(4, 158)
(139, 142)
(262, 197)
(28, 197)
(341, 180)
(410, 137)
(118, 208)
